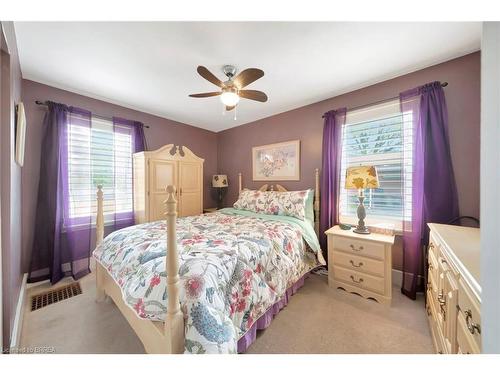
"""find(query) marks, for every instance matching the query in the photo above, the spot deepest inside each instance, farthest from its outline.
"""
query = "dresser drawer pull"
(357, 281)
(441, 299)
(360, 264)
(356, 249)
(428, 310)
(472, 327)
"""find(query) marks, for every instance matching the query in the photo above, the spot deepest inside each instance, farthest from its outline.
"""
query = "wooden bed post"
(316, 201)
(99, 234)
(174, 321)
(99, 222)
(239, 182)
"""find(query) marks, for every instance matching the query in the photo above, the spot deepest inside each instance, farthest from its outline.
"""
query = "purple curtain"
(133, 130)
(58, 248)
(330, 172)
(63, 242)
(433, 190)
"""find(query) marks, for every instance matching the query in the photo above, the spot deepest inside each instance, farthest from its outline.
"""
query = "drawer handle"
(428, 310)
(441, 299)
(355, 248)
(472, 327)
(357, 281)
(360, 264)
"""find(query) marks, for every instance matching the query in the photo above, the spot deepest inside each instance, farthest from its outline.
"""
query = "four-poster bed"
(169, 335)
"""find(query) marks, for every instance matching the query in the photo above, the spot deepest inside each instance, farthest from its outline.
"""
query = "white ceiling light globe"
(229, 98)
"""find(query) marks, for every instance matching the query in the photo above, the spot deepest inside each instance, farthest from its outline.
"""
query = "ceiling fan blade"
(205, 73)
(247, 76)
(205, 94)
(230, 108)
(253, 95)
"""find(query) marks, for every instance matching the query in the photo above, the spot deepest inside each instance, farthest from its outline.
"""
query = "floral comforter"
(232, 269)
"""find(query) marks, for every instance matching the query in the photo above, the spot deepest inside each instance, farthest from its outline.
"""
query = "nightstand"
(361, 263)
(209, 210)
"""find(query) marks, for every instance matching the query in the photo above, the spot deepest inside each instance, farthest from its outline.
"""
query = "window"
(99, 155)
(381, 136)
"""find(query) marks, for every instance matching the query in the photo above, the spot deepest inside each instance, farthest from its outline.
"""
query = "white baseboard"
(397, 277)
(18, 320)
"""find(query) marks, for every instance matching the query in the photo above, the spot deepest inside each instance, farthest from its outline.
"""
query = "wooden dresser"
(453, 290)
(361, 263)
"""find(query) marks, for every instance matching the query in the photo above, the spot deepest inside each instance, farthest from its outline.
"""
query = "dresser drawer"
(359, 279)
(469, 313)
(359, 247)
(436, 331)
(466, 344)
(433, 246)
(357, 263)
(433, 265)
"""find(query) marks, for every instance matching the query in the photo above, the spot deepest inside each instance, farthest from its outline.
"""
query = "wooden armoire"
(169, 165)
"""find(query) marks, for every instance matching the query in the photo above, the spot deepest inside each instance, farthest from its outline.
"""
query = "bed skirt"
(265, 320)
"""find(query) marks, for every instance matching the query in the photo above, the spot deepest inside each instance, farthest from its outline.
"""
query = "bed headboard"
(279, 187)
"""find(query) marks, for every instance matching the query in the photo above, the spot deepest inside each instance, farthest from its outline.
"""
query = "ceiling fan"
(232, 89)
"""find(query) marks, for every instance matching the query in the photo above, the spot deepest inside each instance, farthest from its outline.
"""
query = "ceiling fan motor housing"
(229, 70)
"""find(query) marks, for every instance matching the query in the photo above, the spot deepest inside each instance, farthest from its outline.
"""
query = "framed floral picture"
(275, 162)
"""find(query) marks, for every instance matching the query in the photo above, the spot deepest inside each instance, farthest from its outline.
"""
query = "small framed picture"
(275, 162)
(20, 133)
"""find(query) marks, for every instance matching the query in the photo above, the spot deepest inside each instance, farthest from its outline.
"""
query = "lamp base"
(361, 230)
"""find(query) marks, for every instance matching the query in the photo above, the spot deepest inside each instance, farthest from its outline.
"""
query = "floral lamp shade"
(219, 180)
(361, 177)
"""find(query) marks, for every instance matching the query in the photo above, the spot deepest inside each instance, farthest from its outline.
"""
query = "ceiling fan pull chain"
(235, 109)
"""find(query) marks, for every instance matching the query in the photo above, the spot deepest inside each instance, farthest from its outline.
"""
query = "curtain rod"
(98, 116)
(444, 84)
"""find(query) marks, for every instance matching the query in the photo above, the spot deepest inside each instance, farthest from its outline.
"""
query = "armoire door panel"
(161, 174)
(190, 194)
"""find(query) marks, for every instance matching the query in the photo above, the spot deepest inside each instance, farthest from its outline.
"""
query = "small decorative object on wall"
(360, 178)
(219, 181)
(20, 133)
(275, 162)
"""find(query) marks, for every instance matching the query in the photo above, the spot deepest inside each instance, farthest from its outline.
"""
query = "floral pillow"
(287, 203)
(252, 200)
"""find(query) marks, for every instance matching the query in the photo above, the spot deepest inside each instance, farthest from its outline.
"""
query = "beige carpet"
(318, 319)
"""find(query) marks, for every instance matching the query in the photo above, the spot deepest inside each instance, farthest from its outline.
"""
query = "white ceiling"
(151, 66)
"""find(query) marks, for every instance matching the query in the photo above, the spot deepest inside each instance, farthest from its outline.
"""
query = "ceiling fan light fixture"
(229, 98)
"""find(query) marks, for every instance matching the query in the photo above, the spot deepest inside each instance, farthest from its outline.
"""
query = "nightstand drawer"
(357, 263)
(359, 279)
(359, 247)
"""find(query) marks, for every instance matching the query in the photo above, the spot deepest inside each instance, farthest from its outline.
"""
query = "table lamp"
(219, 181)
(360, 178)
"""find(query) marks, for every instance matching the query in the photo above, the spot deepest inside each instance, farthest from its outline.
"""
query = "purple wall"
(162, 131)
(306, 124)
(10, 180)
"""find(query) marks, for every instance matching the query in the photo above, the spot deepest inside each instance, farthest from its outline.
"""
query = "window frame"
(371, 113)
(113, 217)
